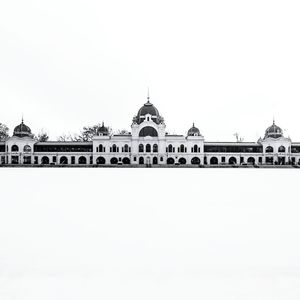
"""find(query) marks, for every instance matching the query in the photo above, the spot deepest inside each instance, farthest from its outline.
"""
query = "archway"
(114, 161)
(148, 131)
(63, 160)
(281, 149)
(141, 160)
(170, 161)
(155, 160)
(14, 148)
(251, 160)
(100, 160)
(82, 160)
(182, 160)
(45, 160)
(27, 148)
(232, 161)
(214, 161)
(126, 161)
(141, 148)
(269, 149)
(195, 161)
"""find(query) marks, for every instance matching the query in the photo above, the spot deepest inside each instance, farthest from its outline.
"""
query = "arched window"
(281, 149)
(101, 148)
(155, 148)
(100, 160)
(214, 161)
(63, 160)
(170, 148)
(170, 161)
(148, 131)
(82, 160)
(141, 160)
(195, 161)
(182, 160)
(126, 148)
(126, 161)
(14, 148)
(148, 148)
(141, 148)
(269, 149)
(27, 148)
(195, 149)
(114, 148)
(251, 160)
(114, 161)
(45, 160)
(155, 160)
(181, 148)
(232, 161)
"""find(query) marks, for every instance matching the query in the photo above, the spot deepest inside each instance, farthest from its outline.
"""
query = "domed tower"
(276, 147)
(22, 130)
(148, 130)
(194, 131)
(103, 130)
(273, 131)
(150, 110)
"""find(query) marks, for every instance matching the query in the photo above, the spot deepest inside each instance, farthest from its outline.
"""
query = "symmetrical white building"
(149, 144)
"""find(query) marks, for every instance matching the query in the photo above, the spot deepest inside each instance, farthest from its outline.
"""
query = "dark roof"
(22, 130)
(148, 108)
(194, 131)
(274, 131)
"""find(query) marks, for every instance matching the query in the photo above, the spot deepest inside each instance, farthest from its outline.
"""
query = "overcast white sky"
(229, 66)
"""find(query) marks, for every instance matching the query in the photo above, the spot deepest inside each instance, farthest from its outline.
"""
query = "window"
(14, 148)
(126, 148)
(170, 148)
(269, 149)
(148, 131)
(27, 148)
(181, 148)
(148, 148)
(155, 148)
(141, 148)
(114, 148)
(281, 149)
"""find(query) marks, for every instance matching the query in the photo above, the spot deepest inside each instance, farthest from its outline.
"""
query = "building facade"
(148, 144)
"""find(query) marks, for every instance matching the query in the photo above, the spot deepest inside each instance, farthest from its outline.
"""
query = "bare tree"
(123, 132)
(65, 138)
(89, 132)
(42, 136)
(3, 132)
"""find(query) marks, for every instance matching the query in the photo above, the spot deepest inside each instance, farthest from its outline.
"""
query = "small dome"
(148, 108)
(22, 130)
(103, 130)
(194, 131)
(274, 131)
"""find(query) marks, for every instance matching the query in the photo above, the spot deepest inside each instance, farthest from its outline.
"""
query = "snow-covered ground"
(144, 234)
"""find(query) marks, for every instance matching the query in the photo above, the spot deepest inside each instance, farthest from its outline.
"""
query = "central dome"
(148, 109)
(22, 130)
(194, 131)
(274, 131)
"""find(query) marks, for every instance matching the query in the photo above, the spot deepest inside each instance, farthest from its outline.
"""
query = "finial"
(148, 97)
(102, 124)
(22, 119)
(273, 120)
(193, 124)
